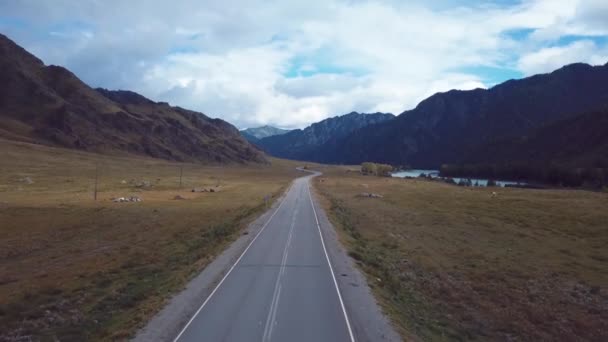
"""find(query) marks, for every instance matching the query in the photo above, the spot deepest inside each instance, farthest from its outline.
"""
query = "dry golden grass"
(76, 269)
(453, 263)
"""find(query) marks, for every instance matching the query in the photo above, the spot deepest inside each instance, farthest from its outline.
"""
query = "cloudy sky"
(290, 63)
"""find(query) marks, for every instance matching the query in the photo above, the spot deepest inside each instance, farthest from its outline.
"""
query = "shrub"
(368, 169)
(384, 170)
(381, 170)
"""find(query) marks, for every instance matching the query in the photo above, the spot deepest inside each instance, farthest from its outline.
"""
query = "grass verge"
(74, 269)
(453, 263)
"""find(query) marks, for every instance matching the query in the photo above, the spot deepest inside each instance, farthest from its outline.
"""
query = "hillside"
(50, 105)
(570, 152)
(257, 133)
(581, 141)
(446, 127)
(309, 143)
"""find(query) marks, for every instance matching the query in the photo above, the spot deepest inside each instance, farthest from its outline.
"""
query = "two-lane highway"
(282, 288)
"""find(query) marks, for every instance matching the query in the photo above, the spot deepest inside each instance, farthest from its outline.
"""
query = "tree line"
(551, 174)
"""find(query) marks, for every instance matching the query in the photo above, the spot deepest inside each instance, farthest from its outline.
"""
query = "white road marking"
(231, 268)
(350, 331)
(272, 313)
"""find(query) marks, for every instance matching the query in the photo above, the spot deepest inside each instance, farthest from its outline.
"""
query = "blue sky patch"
(11, 22)
(182, 49)
(492, 75)
(567, 40)
(519, 34)
(321, 61)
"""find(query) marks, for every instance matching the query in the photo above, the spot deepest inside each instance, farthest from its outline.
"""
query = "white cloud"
(319, 85)
(551, 58)
(577, 18)
(291, 63)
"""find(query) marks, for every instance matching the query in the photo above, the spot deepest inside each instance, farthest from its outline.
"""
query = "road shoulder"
(365, 315)
(168, 322)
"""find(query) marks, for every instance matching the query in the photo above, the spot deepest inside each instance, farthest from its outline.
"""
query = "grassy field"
(76, 269)
(453, 263)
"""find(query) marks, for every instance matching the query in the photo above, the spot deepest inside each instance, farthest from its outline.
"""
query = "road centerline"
(282, 302)
(270, 320)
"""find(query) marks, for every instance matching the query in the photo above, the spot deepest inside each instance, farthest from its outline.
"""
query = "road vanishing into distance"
(282, 288)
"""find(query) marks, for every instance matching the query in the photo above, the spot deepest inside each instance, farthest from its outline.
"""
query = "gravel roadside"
(168, 322)
(365, 315)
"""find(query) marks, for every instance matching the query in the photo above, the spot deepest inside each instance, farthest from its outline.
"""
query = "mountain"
(578, 142)
(50, 105)
(252, 139)
(310, 143)
(570, 152)
(448, 127)
(257, 133)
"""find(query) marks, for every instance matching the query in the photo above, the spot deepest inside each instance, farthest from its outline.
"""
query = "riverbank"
(464, 181)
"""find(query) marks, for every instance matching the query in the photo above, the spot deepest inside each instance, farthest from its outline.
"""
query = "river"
(435, 174)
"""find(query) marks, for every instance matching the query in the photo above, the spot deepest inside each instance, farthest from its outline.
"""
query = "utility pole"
(96, 181)
(181, 172)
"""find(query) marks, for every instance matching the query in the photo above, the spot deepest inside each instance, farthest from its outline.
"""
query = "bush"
(384, 170)
(368, 169)
(381, 170)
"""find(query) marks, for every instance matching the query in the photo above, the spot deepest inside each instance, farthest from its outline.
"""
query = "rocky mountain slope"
(309, 143)
(50, 105)
(448, 127)
(581, 141)
(257, 133)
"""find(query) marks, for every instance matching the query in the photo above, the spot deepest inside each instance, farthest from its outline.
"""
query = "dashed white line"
(231, 268)
(272, 313)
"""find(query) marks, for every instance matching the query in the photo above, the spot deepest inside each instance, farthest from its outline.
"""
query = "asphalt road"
(282, 288)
